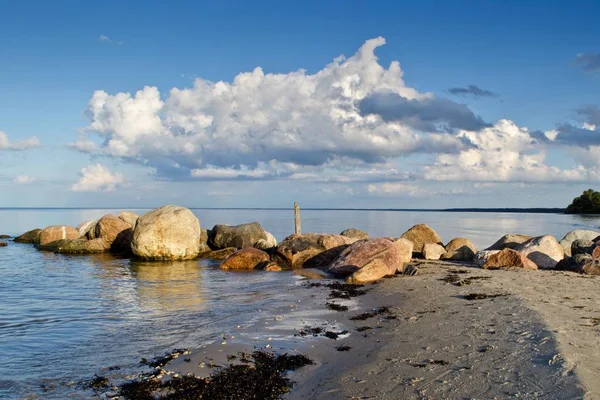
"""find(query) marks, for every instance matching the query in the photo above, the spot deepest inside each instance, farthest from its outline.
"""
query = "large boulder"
(359, 254)
(268, 243)
(582, 246)
(482, 256)
(129, 217)
(544, 251)
(248, 258)
(82, 246)
(509, 258)
(433, 251)
(510, 241)
(372, 271)
(240, 236)
(310, 250)
(459, 249)
(87, 229)
(57, 232)
(221, 254)
(406, 248)
(114, 231)
(31, 236)
(167, 233)
(420, 235)
(572, 236)
(355, 234)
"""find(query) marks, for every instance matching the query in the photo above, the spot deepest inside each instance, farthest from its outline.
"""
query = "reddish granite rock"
(31, 236)
(459, 249)
(114, 231)
(509, 241)
(248, 258)
(57, 232)
(509, 258)
(372, 271)
(544, 251)
(310, 250)
(420, 235)
(359, 254)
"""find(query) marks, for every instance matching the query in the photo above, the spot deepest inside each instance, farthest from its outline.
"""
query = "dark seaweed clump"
(363, 328)
(334, 335)
(310, 330)
(481, 296)
(343, 348)
(456, 280)
(340, 290)
(336, 307)
(367, 315)
(264, 379)
(97, 382)
(161, 361)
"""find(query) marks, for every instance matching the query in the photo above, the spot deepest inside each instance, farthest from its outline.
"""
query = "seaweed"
(367, 315)
(336, 307)
(343, 348)
(430, 362)
(481, 296)
(334, 335)
(161, 361)
(363, 328)
(97, 382)
(341, 290)
(308, 330)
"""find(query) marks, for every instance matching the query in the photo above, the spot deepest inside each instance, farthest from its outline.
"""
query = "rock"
(509, 241)
(3, 244)
(87, 229)
(459, 249)
(433, 251)
(82, 246)
(268, 243)
(420, 235)
(311, 273)
(509, 258)
(355, 234)
(595, 252)
(5, 236)
(218, 254)
(572, 236)
(248, 258)
(582, 246)
(167, 233)
(544, 251)
(116, 232)
(359, 254)
(310, 250)
(410, 270)
(31, 236)
(129, 217)
(592, 267)
(372, 271)
(482, 256)
(406, 248)
(240, 236)
(204, 247)
(57, 232)
(271, 267)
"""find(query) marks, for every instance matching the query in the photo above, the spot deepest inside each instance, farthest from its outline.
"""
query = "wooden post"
(297, 218)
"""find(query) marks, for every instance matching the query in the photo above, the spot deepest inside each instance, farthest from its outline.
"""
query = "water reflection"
(168, 285)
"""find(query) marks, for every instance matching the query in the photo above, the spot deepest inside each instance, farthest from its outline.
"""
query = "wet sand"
(538, 339)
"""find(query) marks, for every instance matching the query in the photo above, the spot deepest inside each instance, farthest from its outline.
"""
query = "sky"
(335, 104)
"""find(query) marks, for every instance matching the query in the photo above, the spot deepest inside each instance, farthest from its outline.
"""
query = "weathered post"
(297, 218)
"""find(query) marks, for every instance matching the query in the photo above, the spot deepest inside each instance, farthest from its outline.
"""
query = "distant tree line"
(587, 203)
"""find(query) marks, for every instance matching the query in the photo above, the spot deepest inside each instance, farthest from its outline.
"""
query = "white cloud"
(24, 179)
(83, 145)
(409, 190)
(104, 38)
(6, 144)
(95, 178)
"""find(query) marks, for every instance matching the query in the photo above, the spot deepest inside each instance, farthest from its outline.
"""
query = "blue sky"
(269, 142)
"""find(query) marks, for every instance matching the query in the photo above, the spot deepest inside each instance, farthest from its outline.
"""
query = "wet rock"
(482, 256)
(359, 254)
(57, 232)
(129, 217)
(509, 258)
(167, 233)
(116, 232)
(82, 246)
(572, 236)
(240, 236)
(5, 236)
(3, 244)
(509, 241)
(272, 267)
(372, 271)
(248, 258)
(433, 251)
(31, 236)
(544, 251)
(420, 235)
(459, 249)
(310, 250)
(355, 234)
(311, 273)
(268, 243)
(582, 246)
(218, 254)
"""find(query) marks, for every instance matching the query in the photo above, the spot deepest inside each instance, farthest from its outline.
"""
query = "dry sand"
(538, 340)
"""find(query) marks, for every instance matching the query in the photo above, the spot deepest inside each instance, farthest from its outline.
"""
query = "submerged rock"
(248, 258)
(544, 251)
(81, 246)
(240, 236)
(509, 241)
(57, 232)
(3, 244)
(31, 236)
(355, 234)
(420, 235)
(459, 249)
(567, 241)
(509, 258)
(433, 251)
(359, 254)
(310, 250)
(5, 236)
(167, 233)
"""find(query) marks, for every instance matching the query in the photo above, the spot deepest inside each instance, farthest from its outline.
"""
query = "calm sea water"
(65, 318)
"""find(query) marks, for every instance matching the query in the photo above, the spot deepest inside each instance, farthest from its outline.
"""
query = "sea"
(64, 319)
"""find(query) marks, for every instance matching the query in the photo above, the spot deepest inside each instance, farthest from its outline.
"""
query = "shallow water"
(65, 318)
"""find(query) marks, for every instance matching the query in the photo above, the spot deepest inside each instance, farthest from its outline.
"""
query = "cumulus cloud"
(95, 178)
(6, 144)
(590, 62)
(472, 90)
(24, 179)
(83, 145)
